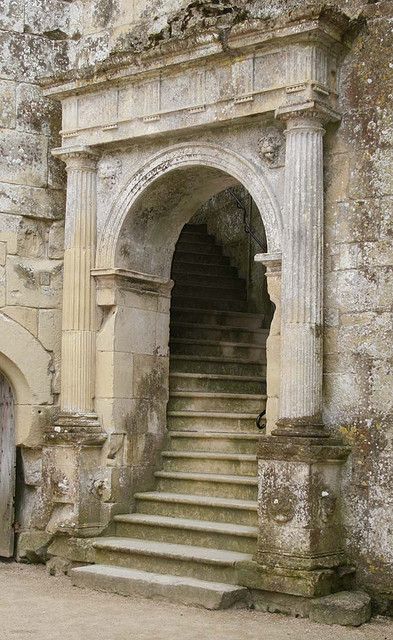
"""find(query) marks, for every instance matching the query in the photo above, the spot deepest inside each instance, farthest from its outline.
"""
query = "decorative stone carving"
(271, 147)
(327, 504)
(281, 506)
(109, 170)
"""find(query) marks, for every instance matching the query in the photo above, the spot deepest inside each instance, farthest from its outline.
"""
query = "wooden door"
(7, 468)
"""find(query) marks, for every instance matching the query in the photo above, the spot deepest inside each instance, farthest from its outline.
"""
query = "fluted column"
(79, 309)
(78, 329)
(302, 278)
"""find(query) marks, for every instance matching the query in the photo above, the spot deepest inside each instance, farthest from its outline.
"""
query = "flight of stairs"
(186, 539)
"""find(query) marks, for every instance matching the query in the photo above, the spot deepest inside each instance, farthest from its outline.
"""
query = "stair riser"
(204, 279)
(207, 539)
(227, 467)
(231, 405)
(201, 258)
(209, 293)
(206, 488)
(192, 246)
(198, 512)
(220, 319)
(255, 354)
(205, 270)
(206, 303)
(219, 335)
(219, 445)
(224, 368)
(215, 386)
(186, 423)
(172, 566)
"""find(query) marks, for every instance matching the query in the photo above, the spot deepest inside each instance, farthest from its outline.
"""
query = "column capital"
(77, 157)
(310, 114)
(272, 262)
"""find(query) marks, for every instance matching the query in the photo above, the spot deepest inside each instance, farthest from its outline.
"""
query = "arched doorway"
(200, 495)
(7, 468)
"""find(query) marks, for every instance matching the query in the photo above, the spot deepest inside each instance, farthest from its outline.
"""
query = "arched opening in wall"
(219, 323)
(7, 467)
(219, 313)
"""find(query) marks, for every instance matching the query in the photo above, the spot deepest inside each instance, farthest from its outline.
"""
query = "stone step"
(196, 257)
(215, 383)
(201, 533)
(218, 334)
(219, 317)
(208, 462)
(204, 292)
(216, 485)
(190, 227)
(196, 507)
(227, 402)
(186, 276)
(191, 245)
(212, 421)
(183, 302)
(177, 589)
(167, 558)
(184, 266)
(216, 365)
(243, 350)
(226, 442)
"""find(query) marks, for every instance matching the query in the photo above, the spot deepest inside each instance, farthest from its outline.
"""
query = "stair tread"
(236, 435)
(217, 394)
(225, 327)
(164, 579)
(215, 376)
(187, 523)
(207, 477)
(244, 314)
(188, 356)
(189, 498)
(212, 414)
(221, 343)
(171, 550)
(208, 455)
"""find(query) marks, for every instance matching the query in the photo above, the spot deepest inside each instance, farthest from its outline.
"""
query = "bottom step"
(183, 590)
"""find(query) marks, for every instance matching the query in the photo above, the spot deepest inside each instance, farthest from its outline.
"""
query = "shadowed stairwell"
(185, 538)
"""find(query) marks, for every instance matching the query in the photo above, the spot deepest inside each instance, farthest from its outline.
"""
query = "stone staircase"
(187, 537)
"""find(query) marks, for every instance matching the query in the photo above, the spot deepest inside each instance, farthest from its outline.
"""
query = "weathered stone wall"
(358, 292)
(33, 42)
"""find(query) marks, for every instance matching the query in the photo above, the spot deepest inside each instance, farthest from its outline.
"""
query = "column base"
(75, 428)
(308, 427)
(295, 582)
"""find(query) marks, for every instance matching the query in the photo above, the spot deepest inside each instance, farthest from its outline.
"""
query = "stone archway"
(132, 274)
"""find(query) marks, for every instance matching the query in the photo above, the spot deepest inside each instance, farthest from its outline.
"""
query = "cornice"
(316, 23)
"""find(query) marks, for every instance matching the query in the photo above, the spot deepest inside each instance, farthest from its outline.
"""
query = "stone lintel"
(109, 281)
(302, 449)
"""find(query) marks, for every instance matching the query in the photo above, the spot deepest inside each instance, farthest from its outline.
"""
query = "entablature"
(258, 68)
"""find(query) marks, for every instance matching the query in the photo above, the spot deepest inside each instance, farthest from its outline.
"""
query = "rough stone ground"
(35, 605)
